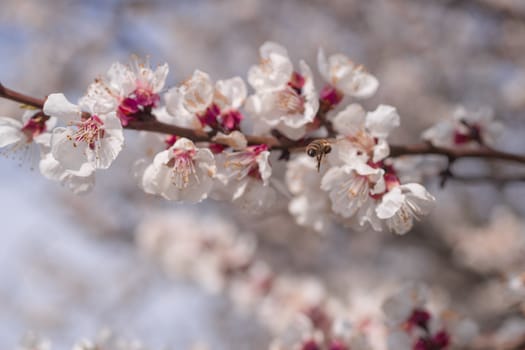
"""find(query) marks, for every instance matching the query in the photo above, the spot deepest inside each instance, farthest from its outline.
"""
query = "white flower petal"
(381, 150)
(234, 139)
(197, 92)
(10, 131)
(230, 93)
(57, 105)
(121, 79)
(390, 203)
(63, 148)
(350, 120)
(322, 65)
(159, 77)
(361, 85)
(274, 71)
(107, 152)
(382, 121)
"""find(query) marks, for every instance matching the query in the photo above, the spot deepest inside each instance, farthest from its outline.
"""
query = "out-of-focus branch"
(499, 180)
(498, 9)
(18, 97)
(454, 154)
(148, 122)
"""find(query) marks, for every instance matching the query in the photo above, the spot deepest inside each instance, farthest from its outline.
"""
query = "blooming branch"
(219, 139)
(149, 122)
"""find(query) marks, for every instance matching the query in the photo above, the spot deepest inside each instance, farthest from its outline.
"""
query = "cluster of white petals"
(285, 100)
(298, 309)
(361, 183)
(212, 106)
(128, 90)
(183, 172)
(352, 178)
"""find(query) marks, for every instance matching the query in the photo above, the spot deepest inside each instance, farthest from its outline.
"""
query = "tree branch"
(427, 149)
(152, 124)
(21, 98)
(498, 180)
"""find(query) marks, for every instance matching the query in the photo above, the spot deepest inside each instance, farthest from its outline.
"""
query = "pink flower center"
(310, 345)
(231, 120)
(437, 342)
(297, 82)
(183, 167)
(170, 140)
(330, 96)
(140, 100)
(227, 120)
(217, 148)
(35, 126)
(245, 163)
(257, 149)
(419, 318)
(210, 116)
(390, 178)
(89, 131)
(338, 345)
(471, 134)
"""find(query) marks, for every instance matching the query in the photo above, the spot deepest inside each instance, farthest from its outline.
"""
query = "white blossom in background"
(284, 100)
(509, 334)
(95, 140)
(344, 77)
(298, 309)
(183, 172)
(516, 283)
(466, 129)
(208, 251)
(32, 341)
(128, 90)
(413, 326)
(497, 247)
(105, 340)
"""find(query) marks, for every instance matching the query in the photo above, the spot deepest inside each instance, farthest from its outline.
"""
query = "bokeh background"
(69, 266)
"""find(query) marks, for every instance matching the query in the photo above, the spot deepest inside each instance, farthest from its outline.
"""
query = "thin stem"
(427, 149)
(152, 124)
(21, 98)
(498, 180)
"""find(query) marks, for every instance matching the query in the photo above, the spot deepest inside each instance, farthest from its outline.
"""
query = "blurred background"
(70, 267)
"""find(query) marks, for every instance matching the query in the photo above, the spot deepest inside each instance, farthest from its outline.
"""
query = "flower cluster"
(361, 185)
(299, 310)
(220, 138)
(413, 326)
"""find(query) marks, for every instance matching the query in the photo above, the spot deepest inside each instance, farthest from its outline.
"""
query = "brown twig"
(152, 124)
(21, 98)
(499, 180)
(497, 9)
(428, 149)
